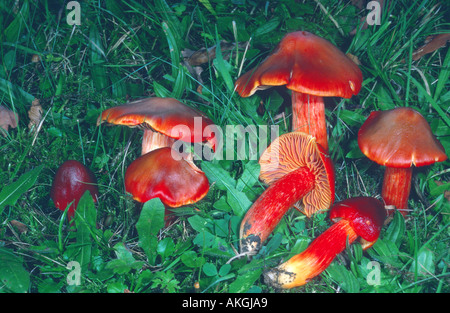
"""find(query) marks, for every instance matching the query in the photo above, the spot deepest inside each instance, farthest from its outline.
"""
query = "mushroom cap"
(164, 174)
(294, 150)
(304, 63)
(400, 137)
(72, 180)
(365, 214)
(164, 115)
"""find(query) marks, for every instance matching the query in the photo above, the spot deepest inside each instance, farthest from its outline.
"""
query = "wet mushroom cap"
(307, 64)
(164, 174)
(401, 138)
(294, 150)
(164, 115)
(365, 214)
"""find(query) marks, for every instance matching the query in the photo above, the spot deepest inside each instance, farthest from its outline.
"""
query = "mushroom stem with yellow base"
(356, 217)
(302, 267)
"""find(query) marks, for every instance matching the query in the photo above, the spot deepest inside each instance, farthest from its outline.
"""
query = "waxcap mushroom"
(366, 216)
(161, 117)
(354, 217)
(299, 175)
(305, 63)
(399, 139)
(156, 174)
(291, 151)
(312, 68)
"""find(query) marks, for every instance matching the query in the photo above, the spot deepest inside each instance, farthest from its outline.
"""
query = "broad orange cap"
(307, 64)
(164, 115)
(400, 138)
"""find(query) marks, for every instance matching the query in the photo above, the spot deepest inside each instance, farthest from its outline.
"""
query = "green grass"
(133, 49)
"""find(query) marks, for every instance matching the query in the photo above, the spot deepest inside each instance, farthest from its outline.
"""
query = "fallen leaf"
(7, 119)
(200, 89)
(195, 58)
(35, 58)
(432, 43)
(354, 58)
(21, 227)
(35, 114)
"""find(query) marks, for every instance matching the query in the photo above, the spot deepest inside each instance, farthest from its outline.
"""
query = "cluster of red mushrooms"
(296, 167)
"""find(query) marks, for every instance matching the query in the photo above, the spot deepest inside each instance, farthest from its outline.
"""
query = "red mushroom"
(300, 174)
(164, 174)
(312, 68)
(356, 217)
(398, 139)
(164, 121)
(72, 180)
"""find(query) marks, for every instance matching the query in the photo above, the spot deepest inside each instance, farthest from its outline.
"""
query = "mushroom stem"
(301, 268)
(267, 211)
(308, 116)
(152, 140)
(396, 188)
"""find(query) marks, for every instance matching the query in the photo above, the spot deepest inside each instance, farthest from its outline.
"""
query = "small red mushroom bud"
(72, 180)
(356, 217)
(313, 68)
(299, 174)
(398, 139)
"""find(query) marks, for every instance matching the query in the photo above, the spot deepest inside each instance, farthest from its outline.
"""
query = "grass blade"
(11, 193)
(443, 77)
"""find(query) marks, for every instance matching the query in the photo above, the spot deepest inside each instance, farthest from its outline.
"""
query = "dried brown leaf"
(195, 58)
(432, 43)
(35, 114)
(35, 58)
(354, 58)
(21, 227)
(7, 119)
